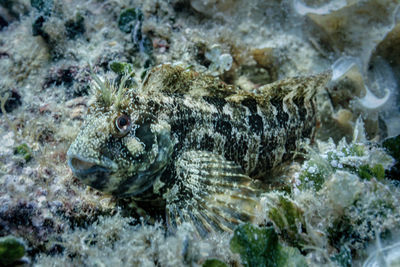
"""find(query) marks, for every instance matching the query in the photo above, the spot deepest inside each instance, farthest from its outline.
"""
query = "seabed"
(339, 205)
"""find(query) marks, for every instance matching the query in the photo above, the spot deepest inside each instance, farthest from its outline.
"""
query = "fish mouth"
(82, 167)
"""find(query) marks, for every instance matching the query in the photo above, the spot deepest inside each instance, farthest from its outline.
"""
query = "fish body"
(193, 143)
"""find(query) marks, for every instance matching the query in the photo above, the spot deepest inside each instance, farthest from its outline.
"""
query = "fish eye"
(123, 124)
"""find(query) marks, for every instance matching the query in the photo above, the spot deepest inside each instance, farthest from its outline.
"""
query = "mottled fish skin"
(180, 116)
(256, 130)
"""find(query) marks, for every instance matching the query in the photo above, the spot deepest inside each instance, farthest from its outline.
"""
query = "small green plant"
(365, 161)
(24, 151)
(121, 68)
(11, 250)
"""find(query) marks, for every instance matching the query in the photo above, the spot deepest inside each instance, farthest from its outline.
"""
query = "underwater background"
(340, 203)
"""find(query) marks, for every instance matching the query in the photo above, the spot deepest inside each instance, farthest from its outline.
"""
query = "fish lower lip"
(82, 167)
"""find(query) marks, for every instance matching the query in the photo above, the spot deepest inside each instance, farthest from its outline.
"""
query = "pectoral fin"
(211, 193)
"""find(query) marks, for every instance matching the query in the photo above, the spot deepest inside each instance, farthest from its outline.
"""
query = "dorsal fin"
(295, 87)
(177, 80)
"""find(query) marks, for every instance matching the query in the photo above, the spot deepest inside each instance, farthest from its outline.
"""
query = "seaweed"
(261, 247)
(24, 151)
(128, 18)
(368, 172)
(121, 68)
(214, 263)
(289, 219)
(11, 250)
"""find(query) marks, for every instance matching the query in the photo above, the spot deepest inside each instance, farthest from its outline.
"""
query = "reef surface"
(337, 202)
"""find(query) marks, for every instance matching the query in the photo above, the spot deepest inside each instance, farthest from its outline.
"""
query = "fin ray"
(212, 193)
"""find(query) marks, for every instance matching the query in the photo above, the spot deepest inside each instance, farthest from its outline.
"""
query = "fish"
(191, 145)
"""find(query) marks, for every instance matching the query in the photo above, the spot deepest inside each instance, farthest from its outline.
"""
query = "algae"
(261, 247)
(339, 191)
(129, 18)
(24, 151)
(214, 263)
(121, 68)
(11, 250)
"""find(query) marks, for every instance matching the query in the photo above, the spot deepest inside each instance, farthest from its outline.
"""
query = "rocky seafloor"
(340, 204)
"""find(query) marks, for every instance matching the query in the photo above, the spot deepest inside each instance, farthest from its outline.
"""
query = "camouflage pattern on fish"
(191, 144)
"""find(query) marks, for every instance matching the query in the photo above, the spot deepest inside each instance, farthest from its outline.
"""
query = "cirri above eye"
(123, 124)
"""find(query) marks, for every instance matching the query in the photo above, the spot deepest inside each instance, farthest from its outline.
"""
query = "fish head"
(121, 149)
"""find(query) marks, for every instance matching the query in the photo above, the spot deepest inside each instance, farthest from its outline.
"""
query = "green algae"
(11, 250)
(368, 172)
(256, 246)
(214, 263)
(24, 151)
(261, 247)
(367, 161)
(128, 18)
(288, 217)
(121, 68)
